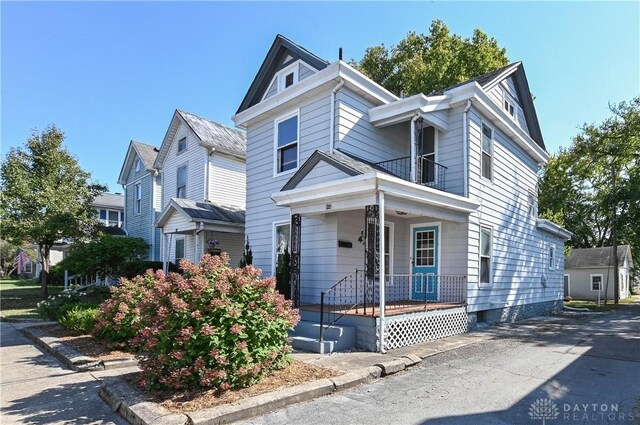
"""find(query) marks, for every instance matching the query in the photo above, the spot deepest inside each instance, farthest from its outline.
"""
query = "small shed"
(588, 270)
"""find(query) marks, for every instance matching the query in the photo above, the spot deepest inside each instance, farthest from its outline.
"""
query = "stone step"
(312, 345)
(342, 337)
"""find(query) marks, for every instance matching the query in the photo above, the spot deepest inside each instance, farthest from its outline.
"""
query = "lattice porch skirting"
(414, 328)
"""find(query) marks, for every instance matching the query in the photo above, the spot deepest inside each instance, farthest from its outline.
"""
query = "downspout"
(207, 155)
(126, 213)
(198, 231)
(332, 113)
(381, 268)
(413, 148)
(465, 149)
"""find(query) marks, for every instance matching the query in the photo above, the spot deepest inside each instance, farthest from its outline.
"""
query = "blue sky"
(106, 73)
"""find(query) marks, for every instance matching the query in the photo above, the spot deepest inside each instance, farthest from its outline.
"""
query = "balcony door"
(427, 156)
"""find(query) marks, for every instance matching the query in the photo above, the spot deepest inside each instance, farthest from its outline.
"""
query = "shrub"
(52, 306)
(80, 317)
(214, 327)
(119, 316)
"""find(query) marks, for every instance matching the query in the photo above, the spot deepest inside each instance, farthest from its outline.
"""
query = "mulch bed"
(296, 373)
(86, 344)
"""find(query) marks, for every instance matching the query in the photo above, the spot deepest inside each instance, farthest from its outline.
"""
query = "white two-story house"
(202, 172)
(407, 219)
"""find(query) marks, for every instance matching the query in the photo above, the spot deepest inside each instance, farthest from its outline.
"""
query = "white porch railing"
(79, 282)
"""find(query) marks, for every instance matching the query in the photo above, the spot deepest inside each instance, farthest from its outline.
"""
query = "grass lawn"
(18, 298)
(593, 305)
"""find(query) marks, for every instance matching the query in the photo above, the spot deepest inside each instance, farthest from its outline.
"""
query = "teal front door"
(424, 266)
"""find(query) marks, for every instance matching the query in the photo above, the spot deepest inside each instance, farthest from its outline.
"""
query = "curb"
(70, 357)
(132, 405)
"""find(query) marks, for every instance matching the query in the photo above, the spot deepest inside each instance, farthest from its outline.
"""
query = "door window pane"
(425, 248)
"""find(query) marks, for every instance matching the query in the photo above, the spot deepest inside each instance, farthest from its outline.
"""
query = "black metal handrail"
(428, 173)
(339, 299)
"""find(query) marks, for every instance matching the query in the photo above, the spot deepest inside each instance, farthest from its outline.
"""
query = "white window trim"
(493, 138)
(186, 183)
(30, 265)
(137, 164)
(175, 247)
(273, 242)
(480, 226)
(568, 276)
(591, 276)
(138, 200)
(279, 77)
(178, 151)
(275, 143)
(552, 257)
(511, 100)
(390, 243)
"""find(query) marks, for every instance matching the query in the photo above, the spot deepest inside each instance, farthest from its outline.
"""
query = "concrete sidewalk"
(36, 388)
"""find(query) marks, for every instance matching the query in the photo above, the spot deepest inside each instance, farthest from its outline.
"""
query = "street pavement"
(573, 369)
(36, 389)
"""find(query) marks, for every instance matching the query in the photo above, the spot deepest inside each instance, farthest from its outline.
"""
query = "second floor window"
(111, 218)
(287, 144)
(138, 199)
(487, 152)
(182, 145)
(181, 179)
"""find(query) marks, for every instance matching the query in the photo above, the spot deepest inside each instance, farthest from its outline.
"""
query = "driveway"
(36, 389)
(573, 369)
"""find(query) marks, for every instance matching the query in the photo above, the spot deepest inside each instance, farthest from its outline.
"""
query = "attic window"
(509, 104)
(137, 165)
(182, 145)
(288, 80)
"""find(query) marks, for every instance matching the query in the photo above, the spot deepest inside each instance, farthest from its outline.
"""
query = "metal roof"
(208, 211)
(595, 257)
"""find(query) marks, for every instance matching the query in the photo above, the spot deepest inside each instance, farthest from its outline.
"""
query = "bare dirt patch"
(296, 373)
(87, 344)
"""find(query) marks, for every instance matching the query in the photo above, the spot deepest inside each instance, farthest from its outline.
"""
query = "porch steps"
(306, 336)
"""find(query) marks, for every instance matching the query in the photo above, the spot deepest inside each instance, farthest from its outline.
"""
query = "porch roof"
(212, 216)
(360, 186)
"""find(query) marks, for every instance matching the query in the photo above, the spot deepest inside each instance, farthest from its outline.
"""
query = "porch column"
(294, 279)
(412, 160)
(164, 251)
(381, 267)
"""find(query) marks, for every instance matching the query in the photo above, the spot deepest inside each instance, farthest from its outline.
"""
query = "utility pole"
(614, 236)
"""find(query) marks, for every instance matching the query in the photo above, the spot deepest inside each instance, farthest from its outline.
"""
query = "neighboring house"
(588, 271)
(143, 195)
(202, 167)
(109, 208)
(413, 215)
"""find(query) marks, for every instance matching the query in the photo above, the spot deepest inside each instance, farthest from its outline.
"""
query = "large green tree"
(593, 187)
(422, 63)
(46, 196)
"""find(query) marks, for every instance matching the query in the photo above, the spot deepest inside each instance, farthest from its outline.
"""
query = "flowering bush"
(52, 306)
(214, 327)
(118, 319)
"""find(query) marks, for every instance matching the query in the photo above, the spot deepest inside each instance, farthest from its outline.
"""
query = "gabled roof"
(343, 161)
(207, 212)
(595, 257)
(273, 62)
(209, 133)
(491, 79)
(146, 153)
(109, 200)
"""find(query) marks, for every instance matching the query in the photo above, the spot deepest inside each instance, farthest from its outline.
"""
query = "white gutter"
(332, 132)
(413, 148)
(465, 148)
(381, 265)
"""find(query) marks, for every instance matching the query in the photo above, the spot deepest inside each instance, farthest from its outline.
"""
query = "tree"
(105, 255)
(423, 63)
(594, 185)
(46, 196)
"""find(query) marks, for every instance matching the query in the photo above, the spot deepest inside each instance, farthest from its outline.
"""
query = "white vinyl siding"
(519, 256)
(227, 180)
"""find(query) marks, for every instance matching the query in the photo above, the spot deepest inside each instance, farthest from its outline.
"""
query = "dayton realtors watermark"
(545, 409)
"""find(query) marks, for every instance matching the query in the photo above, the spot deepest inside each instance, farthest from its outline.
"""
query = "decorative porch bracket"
(294, 279)
(371, 254)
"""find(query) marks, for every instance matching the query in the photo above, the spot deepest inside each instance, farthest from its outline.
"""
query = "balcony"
(427, 172)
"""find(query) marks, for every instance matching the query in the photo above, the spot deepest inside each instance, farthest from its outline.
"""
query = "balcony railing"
(428, 173)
